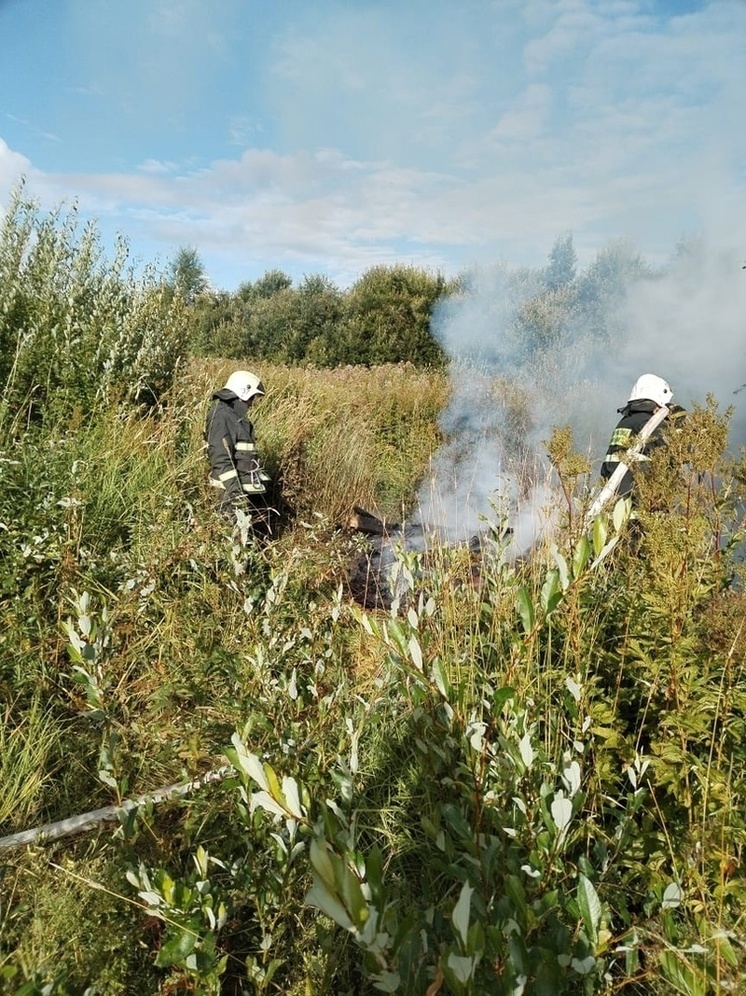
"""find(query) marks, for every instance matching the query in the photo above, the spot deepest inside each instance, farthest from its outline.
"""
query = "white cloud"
(30, 127)
(156, 166)
(370, 142)
(575, 26)
(527, 118)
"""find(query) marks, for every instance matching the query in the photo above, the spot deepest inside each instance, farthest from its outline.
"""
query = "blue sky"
(327, 137)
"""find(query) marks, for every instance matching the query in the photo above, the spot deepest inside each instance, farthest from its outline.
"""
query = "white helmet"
(650, 387)
(244, 384)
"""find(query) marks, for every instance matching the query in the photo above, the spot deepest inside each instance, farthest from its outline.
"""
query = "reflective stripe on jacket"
(622, 438)
(634, 416)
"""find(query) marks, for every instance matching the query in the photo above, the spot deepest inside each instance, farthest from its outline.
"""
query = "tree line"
(383, 318)
(391, 313)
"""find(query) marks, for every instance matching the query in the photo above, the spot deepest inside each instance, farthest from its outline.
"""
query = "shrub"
(76, 330)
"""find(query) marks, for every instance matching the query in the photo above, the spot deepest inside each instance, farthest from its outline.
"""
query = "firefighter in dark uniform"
(235, 467)
(648, 395)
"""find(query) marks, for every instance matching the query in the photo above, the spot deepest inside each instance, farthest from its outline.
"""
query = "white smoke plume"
(686, 324)
(691, 327)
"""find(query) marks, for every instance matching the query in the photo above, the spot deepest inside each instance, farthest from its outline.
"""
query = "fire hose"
(609, 490)
(85, 821)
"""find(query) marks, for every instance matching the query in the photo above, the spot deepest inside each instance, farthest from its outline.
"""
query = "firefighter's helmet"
(244, 384)
(650, 387)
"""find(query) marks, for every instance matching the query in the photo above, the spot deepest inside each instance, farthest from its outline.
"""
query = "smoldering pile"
(485, 495)
(375, 582)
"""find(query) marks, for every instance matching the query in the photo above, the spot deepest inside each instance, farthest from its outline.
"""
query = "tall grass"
(29, 740)
(345, 436)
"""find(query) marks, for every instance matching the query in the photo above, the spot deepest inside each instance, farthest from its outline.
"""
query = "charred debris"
(374, 581)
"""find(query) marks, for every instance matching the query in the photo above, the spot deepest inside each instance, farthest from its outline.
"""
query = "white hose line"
(609, 489)
(77, 824)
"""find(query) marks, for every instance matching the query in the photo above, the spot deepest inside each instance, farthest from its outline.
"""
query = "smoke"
(691, 327)
(523, 361)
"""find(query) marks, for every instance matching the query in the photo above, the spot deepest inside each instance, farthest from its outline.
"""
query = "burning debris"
(376, 578)
(370, 582)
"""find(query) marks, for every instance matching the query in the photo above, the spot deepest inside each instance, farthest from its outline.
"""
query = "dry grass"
(336, 437)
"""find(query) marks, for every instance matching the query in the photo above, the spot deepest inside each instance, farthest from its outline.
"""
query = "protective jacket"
(634, 416)
(235, 467)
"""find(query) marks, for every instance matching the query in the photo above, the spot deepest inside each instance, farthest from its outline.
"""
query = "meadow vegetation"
(526, 776)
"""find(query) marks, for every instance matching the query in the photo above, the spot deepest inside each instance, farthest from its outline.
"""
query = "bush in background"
(77, 330)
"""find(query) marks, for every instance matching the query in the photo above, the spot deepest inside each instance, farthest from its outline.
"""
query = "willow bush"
(77, 329)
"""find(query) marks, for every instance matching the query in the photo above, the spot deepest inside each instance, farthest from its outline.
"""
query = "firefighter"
(649, 394)
(235, 467)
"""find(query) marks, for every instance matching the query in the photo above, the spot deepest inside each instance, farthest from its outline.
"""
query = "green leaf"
(396, 636)
(621, 513)
(580, 556)
(386, 982)
(516, 894)
(590, 908)
(321, 862)
(600, 532)
(725, 950)
(561, 563)
(177, 948)
(585, 965)
(462, 968)
(107, 778)
(440, 678)
(460, 915)
(551, 593)
(672, 896)
(352, 895)
(682, 974)
(374, 870)
(323, 899)
(501, 696)
(153, 899)
(526, 750)
(292, 797)
(415, 652)
(166, 884)
(270, 970)
(247, 762)
(561, 811)
(273, 785)
(605, 551)
(263, 800)
(201, 860)
(526, 611)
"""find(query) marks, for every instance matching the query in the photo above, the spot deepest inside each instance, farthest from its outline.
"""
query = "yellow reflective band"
(254, 488)
(621, 437)
(246, 447)
(621, 456)
(228, 475)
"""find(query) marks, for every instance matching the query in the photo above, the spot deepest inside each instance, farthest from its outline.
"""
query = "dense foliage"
(392, 314)
(524, 776)
(385, 317)
(75, 328)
